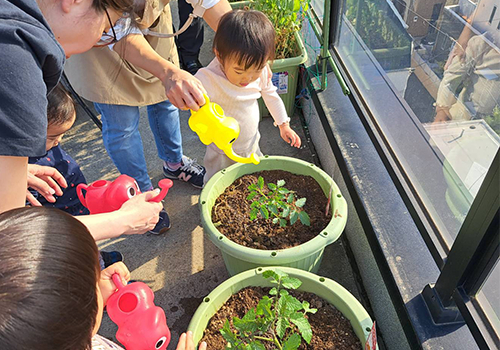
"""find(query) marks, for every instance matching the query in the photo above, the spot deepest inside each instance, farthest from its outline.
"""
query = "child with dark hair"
(52, 291)
(61, 116)
(237, 77)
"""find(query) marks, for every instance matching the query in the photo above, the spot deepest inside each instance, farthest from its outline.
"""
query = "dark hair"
(247, 36)
(117, 5)
(49, 269)
(60, 107)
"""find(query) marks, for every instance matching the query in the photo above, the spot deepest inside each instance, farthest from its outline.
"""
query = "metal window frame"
(476, 248)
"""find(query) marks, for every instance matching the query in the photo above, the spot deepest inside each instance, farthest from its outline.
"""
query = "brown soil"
(330, 329)
(231, 213)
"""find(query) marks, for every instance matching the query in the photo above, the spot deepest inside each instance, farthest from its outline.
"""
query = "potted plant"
(282, 317)
(287, 17)
(332, 216)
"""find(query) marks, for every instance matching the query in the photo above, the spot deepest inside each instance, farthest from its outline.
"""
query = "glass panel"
(489, 297)
(429, 72)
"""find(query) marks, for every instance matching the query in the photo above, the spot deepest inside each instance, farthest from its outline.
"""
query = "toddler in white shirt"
(237, 77)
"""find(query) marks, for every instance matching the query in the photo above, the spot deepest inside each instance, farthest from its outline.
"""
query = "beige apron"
(100, 75)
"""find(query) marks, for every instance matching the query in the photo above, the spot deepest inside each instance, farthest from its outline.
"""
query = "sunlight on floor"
(197, 250)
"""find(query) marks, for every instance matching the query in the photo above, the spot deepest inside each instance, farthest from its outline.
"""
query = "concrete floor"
(182, 266)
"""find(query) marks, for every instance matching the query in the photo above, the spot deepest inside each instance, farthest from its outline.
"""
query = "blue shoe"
(189, 171)
(162, 225)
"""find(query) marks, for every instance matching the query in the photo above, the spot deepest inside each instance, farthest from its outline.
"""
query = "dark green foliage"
(277, 203)
(279, 319)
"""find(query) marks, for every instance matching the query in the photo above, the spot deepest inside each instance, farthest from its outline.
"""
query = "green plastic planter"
(306, 256)
(325, 288)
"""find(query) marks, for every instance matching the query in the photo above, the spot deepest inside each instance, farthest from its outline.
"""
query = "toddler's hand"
(289, 135)
(139, 214)
(106, 284)
(186, 342)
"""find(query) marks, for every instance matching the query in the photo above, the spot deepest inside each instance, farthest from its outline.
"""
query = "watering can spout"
(233, 156)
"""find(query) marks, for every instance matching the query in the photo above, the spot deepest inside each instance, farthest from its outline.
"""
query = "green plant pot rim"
(277, 256)
(323, 287)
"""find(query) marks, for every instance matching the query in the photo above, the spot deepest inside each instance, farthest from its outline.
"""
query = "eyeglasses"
(107, 39)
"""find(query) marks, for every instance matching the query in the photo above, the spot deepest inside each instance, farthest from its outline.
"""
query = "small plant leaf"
(306, 306)
(248, 324)
(290, 199)
(253, 213)
(281, 183)
(291, 282)
(287, 305)
(304, 218)
(300, 202)
(271, 274)
(260, 182)
(285, 213)
(264, 212)
(292, 343)
(272, 187)
(283, 190)
(303, 325)
(276, 220)
(282, 222)
(273, 291)
(228, 334)
(255, 205)
(255, 345)
(264, 307)
(252, 187)
(294, 215)
(251, 196)
(281, 326)
(273, 209)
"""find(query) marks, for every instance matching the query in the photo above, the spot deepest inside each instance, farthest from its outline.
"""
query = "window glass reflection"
(429, 71)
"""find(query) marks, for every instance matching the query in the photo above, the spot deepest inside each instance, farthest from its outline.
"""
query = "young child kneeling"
(237, 77)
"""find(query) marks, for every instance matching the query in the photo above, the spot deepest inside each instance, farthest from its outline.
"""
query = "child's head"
(60, 115)
(48, 281)
(244, 43)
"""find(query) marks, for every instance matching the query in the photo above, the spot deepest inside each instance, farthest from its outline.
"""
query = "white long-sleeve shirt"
(241, 102)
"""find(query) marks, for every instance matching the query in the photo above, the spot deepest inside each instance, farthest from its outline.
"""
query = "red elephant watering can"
(141, 324)
(105, 196)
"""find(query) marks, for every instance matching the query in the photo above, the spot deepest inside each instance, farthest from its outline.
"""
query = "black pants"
(189, 43)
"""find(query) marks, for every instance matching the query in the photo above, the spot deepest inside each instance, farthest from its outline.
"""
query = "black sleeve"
(27, 70)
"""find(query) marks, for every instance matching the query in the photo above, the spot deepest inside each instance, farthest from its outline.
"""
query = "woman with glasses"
(140, 67)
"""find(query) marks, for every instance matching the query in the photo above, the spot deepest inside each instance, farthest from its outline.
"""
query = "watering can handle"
(79, 192)
(165, 185)
(117, 280)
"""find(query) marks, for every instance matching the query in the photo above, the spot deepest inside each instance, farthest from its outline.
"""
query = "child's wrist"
(284, 124)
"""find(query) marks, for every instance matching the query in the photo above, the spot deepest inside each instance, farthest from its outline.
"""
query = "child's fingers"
(203, 346)
(120, 268)
(298, 141)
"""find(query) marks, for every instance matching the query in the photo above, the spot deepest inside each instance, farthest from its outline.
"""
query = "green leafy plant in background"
(287, 17)
(279, 319)
(277, 203)
(493, 120)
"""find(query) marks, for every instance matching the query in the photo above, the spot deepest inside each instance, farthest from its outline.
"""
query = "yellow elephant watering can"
(211, 125)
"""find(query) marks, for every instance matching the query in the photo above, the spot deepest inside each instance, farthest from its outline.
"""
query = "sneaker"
(189, 171)
(163, 224)
(109, 258)
(192, 66)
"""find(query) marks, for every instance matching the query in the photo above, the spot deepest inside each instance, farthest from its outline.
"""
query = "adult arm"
(182, 89)
(136, 216)
(13, 180)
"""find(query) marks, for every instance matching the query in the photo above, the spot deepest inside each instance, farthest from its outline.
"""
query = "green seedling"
(279, 319)
(277, 203)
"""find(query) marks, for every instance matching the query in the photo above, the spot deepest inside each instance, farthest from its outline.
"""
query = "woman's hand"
(106, 284)
(139, 213)
(186, 342)
(47, 181)
(289, 135)
(183, 89)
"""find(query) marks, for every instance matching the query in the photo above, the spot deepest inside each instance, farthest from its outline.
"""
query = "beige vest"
(100, 75)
